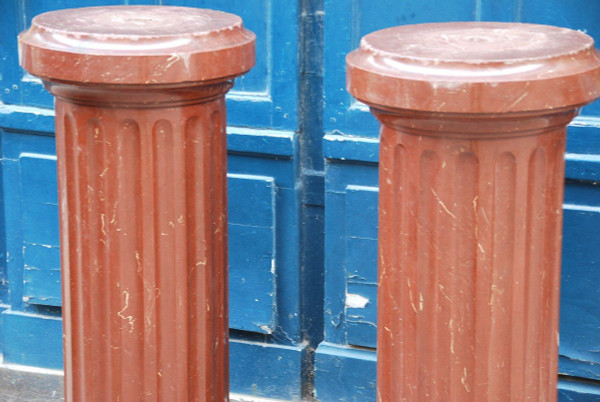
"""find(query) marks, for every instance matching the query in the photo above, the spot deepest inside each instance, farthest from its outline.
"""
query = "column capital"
(475, 67)
(132, 45)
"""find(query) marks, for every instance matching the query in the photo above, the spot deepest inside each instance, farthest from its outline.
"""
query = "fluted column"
(142, 195)
(143, 213)
(473, 122)
(470, 262)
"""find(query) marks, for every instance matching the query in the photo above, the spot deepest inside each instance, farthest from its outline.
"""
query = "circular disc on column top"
(136, 45)
(475, 67)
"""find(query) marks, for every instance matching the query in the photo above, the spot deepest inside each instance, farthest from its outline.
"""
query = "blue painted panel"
(40, 208)
(584, 135)
(266, 370)
(287, 261)
(32, 339)
(361, 314)
(38, 180)
(41, 276)
(252, 253)
(251, 279)
(583, 167)
(575, 391)
(29, 186)
(361, 212)
(252, 200)
(350, 252)
(580, 295)
(26, 118)
(260, 142)
(344, 374)
(361, 258)
(41, 253)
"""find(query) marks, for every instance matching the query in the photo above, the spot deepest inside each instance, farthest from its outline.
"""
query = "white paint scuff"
(356, 301)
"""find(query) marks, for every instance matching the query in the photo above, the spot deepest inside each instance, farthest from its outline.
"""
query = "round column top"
(136, 45)
(475, 67)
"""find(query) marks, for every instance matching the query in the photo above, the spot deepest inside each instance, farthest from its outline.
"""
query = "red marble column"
(141, 150)
(473, 122)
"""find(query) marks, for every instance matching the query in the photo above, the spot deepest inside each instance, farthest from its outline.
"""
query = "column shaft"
(469, 270)
(143, 223)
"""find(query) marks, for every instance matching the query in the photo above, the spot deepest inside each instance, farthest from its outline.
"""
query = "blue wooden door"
(345, 360)
(270, 343)
(300, 273)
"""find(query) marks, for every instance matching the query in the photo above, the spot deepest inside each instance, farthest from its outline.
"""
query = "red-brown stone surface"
(136, 45)
(471, 177)
(141, 150)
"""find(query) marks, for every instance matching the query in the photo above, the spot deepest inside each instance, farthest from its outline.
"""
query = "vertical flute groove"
(73, 279)
(536, 201)
(196, 256)
(411, 388)
(219, 296)
(127, 224)
(390, 318)
(400, 361)
(179, 224)
(553, 257)
(147, 263)
(108, 219)
(502, 275)
(97, 242)
(445, 198)
(519, 273)
(551, 267)
(163, 193)
(426, 263)
(79, 155)
(211, 235)
(208, 234)
(462, 327)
